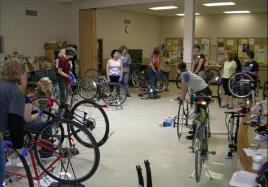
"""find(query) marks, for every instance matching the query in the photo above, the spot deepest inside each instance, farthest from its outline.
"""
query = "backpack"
(262, 177)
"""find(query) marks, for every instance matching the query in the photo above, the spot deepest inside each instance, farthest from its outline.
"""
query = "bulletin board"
(204, 44)
(174, 46)
(258, 45)
(226, 43)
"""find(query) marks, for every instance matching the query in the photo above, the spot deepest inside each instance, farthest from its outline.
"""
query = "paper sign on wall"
(168, 42)
(244, 41)
(175, 42)
(251, 41)
(230, 42)
(256, 48)
(240, 48)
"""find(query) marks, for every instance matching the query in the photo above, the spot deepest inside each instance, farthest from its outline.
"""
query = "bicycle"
(15, 176)
(201, 134)
(232, 125)
(54, 149)
(242, 85)
(139, 80)
(113, 94)
(212, 78)
(178, 80)
(86, 112)
(182, 118)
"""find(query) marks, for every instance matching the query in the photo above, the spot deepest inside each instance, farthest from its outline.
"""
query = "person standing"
(164, 65)
(198, 64)
(114, 67)
(126, 61)
(12, 102)
(229, 68)
(153, 69)
(238, 63)
(251, 66)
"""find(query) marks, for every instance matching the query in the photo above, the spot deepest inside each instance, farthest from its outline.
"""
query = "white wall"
(28, 34)
(249, 25)
(144, 30)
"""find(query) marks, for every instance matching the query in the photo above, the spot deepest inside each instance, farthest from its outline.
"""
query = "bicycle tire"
(240, 85)
(198, 152)
(87, 88)
(210, 76)
(9, 180)
(91, 123)
(158, 83)
(165, 82)
(91, 73)
(112, 98)
(178, 81)
(182, 119)
(65, 154)
(135, 78)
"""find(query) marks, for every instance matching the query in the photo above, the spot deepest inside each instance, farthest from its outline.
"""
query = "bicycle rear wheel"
(87, 87)
(135, 78)
(158, 83)
(16, 176)
(68, 161)
(92, 116)
(115, 94)
(240, 85)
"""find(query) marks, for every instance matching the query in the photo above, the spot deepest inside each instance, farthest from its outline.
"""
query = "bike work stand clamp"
(206, 168)
(148, 174)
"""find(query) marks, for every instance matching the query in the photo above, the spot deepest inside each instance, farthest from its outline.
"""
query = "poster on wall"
(251, 41)
(230, 42)
(168, 42)
(244, 41)
(175, 42)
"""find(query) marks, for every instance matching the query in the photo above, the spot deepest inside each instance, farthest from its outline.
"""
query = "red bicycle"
(54, 152)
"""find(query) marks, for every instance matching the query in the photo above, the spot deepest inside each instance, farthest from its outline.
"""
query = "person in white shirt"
(114, 68)
(229, 68)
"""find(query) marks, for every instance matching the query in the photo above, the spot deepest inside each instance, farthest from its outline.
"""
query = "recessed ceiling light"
(219, 4)
(197, 14)
(163, 8)
(237, 12)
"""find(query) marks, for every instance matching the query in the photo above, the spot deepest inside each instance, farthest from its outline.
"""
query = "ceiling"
(255, 6)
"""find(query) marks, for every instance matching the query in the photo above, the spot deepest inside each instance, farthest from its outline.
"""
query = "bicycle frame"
(37, 175)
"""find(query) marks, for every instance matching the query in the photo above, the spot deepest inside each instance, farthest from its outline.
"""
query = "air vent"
(31, 12)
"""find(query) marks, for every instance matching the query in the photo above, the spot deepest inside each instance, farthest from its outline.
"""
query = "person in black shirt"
(238, 63)
(252, 67)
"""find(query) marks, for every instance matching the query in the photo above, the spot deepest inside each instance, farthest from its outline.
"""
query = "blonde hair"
(12, 70)
(44, 86)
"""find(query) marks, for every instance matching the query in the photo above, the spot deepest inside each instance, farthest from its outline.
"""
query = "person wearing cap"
(63, 71)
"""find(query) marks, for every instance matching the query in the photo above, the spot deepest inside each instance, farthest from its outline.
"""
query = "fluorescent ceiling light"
(237, 12)
(197, 14)
(219, 4)
(163, 8)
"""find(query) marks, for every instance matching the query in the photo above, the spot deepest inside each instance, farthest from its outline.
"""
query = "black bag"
(262, 177)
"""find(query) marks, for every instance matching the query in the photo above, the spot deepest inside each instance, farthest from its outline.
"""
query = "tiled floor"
(136, 136)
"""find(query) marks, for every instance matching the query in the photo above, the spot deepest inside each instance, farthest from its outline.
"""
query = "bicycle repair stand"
(148, 174)
(235, 121)
(206, 168)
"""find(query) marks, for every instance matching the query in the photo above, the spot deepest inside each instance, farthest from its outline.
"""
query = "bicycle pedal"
(212, 152)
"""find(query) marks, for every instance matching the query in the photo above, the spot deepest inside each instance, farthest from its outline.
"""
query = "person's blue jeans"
(125, 80)
(150, 75)
(2, 163)
(35, 126)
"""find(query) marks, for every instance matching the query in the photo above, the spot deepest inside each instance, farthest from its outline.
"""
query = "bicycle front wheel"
(16, 176)
(87, 87)
(93, 117)
(182, 119)
(69, 161)
(198, 148)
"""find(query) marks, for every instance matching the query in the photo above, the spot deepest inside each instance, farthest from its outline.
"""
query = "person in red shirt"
(63, 71)
(153, 69)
